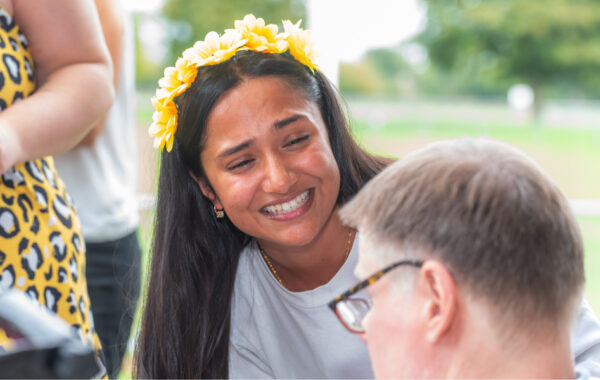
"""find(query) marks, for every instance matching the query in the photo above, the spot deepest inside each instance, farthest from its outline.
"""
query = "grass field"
(571, 156)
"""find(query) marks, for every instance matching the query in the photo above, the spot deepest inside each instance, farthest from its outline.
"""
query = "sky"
(343, 30)
(142, 5)
(355, 26)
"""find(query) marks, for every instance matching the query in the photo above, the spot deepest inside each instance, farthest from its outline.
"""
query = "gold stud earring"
(219, 213)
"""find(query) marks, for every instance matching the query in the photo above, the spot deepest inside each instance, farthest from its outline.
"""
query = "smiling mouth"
(292, 205)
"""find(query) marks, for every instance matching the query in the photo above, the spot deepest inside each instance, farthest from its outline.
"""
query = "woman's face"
(268, 159)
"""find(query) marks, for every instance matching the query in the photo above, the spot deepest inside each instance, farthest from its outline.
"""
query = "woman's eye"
(239, 165)
(298, 140)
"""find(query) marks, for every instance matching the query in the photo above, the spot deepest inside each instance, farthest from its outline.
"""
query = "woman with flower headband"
(248, 247)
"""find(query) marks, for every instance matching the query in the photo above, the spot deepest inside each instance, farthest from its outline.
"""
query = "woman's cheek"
(239, 190)
(322, 160)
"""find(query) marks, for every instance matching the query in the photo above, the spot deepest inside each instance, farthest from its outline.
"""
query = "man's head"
(502, 254)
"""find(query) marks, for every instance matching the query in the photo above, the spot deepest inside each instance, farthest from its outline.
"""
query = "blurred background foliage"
(552, 45)
(480, 48)
(468, 47)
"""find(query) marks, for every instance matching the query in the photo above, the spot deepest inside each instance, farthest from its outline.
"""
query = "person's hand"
(8, 148)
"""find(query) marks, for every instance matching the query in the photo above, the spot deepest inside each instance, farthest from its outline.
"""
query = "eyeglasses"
(351, 311)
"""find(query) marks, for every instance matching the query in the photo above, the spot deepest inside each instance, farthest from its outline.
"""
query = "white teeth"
(290, 206)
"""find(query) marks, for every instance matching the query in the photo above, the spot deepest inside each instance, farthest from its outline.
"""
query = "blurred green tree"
(190, 20)
(380, 73)
(147, 72)
(537, 42)
(360, 79)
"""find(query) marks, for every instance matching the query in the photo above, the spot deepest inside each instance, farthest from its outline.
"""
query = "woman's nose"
(279, 177)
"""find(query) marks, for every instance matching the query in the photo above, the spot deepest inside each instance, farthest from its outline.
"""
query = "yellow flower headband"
(251, 33)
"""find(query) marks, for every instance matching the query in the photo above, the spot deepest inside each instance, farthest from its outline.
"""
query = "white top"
(102, 179)
(276, 333)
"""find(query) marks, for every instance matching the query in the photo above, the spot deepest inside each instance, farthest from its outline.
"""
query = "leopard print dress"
(41, 248)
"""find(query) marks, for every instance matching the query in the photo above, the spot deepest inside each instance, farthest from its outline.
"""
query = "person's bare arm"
(74, 78)
(113, 28)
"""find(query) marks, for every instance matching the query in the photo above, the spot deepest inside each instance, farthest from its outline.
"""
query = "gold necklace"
(270, 265)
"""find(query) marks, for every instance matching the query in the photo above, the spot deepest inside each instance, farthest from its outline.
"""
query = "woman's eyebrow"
(285, 122)
(235, 149)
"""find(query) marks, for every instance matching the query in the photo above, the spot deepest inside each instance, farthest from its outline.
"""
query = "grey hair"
(487, 212)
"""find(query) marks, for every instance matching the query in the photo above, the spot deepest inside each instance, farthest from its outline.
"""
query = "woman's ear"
(207, 191)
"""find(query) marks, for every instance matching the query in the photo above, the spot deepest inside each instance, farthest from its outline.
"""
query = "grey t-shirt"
(276, 333)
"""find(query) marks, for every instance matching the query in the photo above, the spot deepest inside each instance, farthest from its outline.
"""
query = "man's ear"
(207, 191)
(440, 306)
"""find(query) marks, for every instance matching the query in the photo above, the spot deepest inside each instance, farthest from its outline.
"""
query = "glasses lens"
(351, 312)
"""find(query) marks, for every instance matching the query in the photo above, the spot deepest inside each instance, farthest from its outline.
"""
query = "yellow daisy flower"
(301, 46)
(262, 38)
(170, 81)
(164, 123)
(214, 49)
(170, 85)
(186, 71)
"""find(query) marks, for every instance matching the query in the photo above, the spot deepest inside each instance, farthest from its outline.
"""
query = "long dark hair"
(186, 320)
